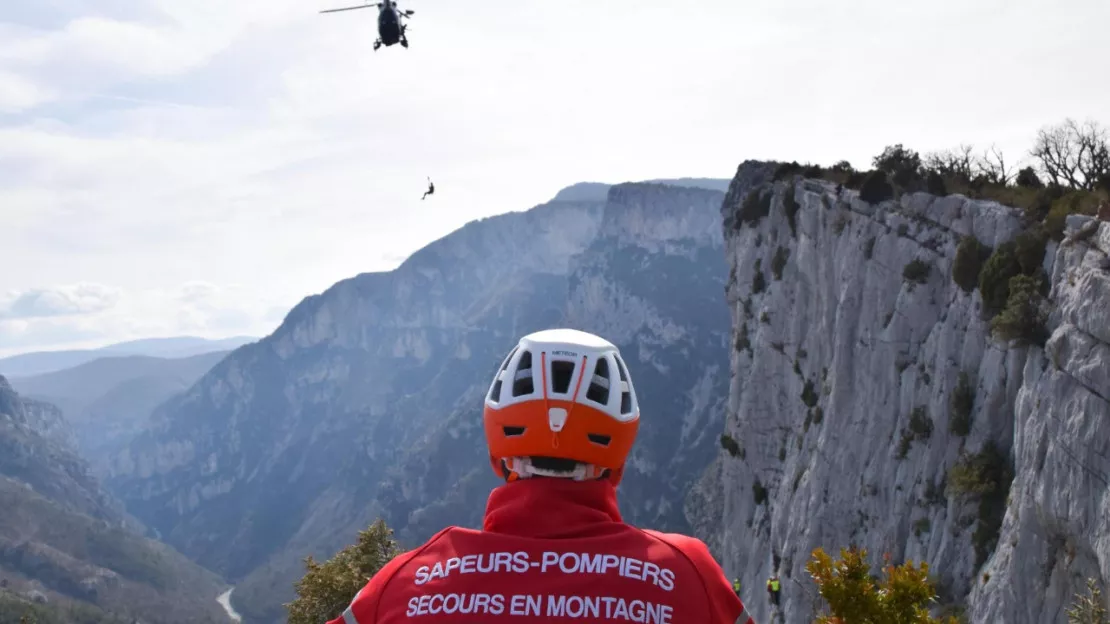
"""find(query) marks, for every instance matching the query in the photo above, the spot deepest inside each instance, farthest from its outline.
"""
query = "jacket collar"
(541, 507)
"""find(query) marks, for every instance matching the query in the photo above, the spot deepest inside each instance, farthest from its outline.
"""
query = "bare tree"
(956, 163)
(992, 166)
(1073, 154)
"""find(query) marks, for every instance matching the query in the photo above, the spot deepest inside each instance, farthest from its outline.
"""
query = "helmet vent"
(495, 391)
(597, 438)
(599, 386)
(512, 432)
(561, 374)
(522, 383)
(620, 369)
(626, 402)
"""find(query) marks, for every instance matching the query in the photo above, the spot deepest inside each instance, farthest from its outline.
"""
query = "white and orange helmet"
(563, 394)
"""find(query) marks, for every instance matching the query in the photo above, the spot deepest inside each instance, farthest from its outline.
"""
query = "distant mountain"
(40, 362)
(108, 399)
(599, 191)
(65, 541)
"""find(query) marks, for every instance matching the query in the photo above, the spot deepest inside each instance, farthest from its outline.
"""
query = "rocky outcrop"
(367, 400)
(850, 342)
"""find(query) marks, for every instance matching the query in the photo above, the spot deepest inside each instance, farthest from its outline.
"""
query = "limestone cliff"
(863, 377)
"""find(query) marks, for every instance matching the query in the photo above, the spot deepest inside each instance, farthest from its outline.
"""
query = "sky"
(197, 167)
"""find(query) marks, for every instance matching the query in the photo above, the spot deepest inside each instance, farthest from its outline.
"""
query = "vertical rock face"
(845, 360)
(367, 401)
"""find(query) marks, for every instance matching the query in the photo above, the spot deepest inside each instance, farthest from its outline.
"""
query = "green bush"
(791, 206)
(970, 256)
(786, 170)
(742, 341)
(902, 594)
(986, 477)
(756, 206)
(759, 284)
(961, 404)
(994, 279)
(730, 445)
(809, 395)
(326, 589)
(1072, 202)
(1029, 249)
(1027, 178)
(1025, 314)
(901, 164)
(916, 271)
(920, 424)
(875, 188)
(759, 493)
(778, 262)
(934, 184)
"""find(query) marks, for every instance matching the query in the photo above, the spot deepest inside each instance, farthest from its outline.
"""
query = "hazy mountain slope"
(109, 399)
(844, 370)
(367, 400)
(37, 363)
(61, 535)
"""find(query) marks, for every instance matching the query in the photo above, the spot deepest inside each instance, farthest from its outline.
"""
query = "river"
(225, 602)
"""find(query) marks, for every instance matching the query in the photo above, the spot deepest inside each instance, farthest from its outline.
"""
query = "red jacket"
(551, 550)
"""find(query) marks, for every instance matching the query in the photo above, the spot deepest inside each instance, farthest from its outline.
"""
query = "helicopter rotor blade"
(364, 6)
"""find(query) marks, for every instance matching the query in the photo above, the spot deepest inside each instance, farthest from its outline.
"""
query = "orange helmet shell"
(566, 394)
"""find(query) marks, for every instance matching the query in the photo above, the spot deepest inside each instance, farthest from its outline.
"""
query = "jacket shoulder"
(724, 605)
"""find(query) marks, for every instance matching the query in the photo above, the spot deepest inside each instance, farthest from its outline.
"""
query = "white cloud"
(78, 299)
(150, 144)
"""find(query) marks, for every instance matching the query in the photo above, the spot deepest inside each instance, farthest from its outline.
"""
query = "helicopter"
(390, 28)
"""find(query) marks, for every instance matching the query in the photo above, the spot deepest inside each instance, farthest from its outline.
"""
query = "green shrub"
(994, 279)
(961, 405)
(985, 476)
(809, 395)
(1029, 249)
(920, 424)
(756, 206)
(759, 284)
(916, 271)
(786, 170)
(813, 171)
(1089, 608)
(326, 589)
(742, 341)
(791, 206)
(902, 594)
(875, 188)
(759, 493)
(1025, 314)
(778, 262)
(901, 164)
(1071, 202)
(1027, 178)
(730, 445)
(934, 184)
(970, 256)
(922, 525)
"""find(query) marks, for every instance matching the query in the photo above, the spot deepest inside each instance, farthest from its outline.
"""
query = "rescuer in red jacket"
(560, 418)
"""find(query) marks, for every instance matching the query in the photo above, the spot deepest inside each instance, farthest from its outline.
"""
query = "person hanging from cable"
(431, 189)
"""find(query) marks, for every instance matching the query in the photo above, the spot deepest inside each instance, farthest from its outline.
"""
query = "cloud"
(77, 299)
(18, 94)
